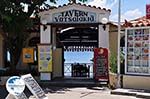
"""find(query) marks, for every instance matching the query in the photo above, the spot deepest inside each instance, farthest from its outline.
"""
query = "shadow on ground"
(49, 89)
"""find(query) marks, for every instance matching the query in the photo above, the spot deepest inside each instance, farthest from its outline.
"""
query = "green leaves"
(113, 63)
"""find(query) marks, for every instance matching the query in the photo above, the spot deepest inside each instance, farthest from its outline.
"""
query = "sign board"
(28, 55)
(148, 11)
(137, 51)
(74, 16)
(15, 85)
(101, 64)
(34, 87)
(45, 58)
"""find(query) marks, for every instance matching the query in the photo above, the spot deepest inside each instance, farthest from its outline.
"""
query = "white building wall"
(103, 36)
(45, 35)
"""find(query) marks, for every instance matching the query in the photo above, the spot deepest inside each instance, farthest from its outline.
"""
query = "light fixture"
(104, 21)
(44, 22)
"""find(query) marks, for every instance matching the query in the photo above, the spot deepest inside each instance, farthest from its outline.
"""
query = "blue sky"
(130, 9)
(78, 57)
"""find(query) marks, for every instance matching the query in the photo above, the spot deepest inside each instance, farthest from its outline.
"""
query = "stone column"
(54, 37)
(45, 38)
(45, 34)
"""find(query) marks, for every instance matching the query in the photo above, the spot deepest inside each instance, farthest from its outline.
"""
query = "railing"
(68, 69)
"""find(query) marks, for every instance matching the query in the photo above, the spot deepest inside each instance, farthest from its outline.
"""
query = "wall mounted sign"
(101, 64)
(28, 55)
(74, 16)
(137, 49)
(45, 58)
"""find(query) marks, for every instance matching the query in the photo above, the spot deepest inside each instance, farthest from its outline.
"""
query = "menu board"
(101, 64)
(45, 58)
(137, 51)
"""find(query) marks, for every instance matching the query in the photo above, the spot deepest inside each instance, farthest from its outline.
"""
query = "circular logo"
(15, 85)
(101, 51)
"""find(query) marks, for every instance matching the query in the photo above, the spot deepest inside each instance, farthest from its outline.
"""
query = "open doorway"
(78, 44)
(78, 64)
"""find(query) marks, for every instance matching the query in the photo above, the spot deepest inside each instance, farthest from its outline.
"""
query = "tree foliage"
(15, 20)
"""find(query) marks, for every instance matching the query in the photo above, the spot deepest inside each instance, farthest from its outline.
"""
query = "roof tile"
(142, 21)
(41, 10)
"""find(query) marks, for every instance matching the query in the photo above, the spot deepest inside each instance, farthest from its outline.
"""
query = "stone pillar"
(54, 37)
(103, 36)
(45, 38)
(45, 34)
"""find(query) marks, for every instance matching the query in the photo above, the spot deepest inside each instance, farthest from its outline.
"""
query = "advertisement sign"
(15, 85)
(28, 55)
(101, 64)
(148, 11)
(45, 58)
(74, 16)
(34, 87)
(137, 51)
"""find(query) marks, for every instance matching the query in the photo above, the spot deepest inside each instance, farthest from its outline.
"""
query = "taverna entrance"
(76, 29)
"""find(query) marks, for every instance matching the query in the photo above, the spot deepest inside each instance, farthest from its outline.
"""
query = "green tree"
(14, 21)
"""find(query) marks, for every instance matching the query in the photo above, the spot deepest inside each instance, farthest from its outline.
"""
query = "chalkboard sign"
(101, 64)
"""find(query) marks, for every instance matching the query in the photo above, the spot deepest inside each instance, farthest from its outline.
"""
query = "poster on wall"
(45, 58)
(28, 55)
(101, 64)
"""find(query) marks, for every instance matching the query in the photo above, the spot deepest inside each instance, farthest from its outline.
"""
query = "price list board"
(137, 51)
(101, 64)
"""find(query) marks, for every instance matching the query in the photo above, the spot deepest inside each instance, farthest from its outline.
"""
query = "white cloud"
(103, 3)
(128, 15)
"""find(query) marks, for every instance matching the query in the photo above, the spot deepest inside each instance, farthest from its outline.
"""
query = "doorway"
(78, 44)
(78, 64)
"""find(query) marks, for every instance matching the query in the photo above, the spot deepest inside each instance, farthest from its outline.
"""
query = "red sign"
(148, 11)
(101, 64)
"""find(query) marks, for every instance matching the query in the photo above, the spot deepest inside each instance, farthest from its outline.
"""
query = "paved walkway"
(75, 93)
(82, 93)
(132, 92)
